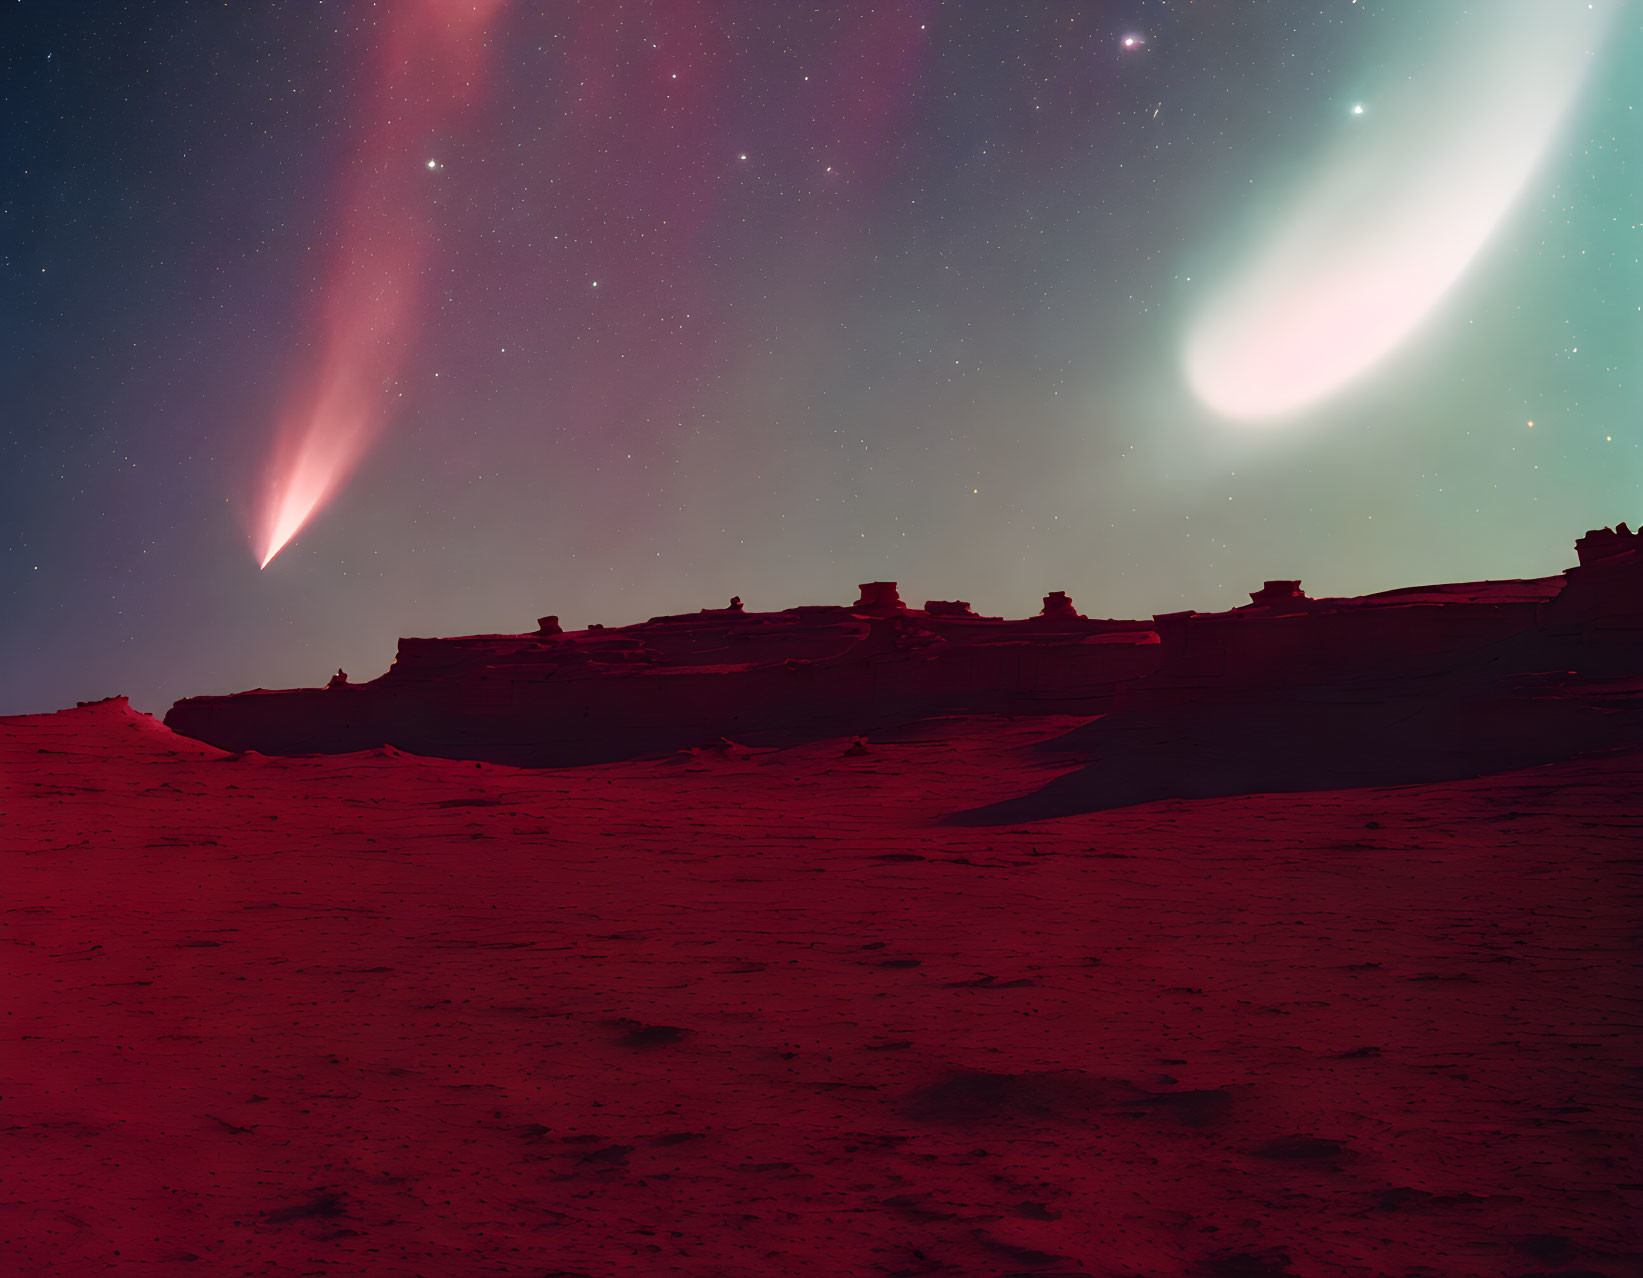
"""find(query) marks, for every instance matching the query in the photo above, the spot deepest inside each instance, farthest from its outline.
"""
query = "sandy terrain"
(763, 1013)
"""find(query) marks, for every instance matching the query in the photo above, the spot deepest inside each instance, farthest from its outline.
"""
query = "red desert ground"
(1294, 940)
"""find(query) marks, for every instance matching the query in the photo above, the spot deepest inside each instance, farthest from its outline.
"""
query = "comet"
(1368, 249)
(427, 72)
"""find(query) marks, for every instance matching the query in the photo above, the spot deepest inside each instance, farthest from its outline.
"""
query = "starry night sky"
(716, 297)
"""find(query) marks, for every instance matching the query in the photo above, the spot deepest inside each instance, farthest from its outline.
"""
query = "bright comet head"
(430, 69)
(1370, 247)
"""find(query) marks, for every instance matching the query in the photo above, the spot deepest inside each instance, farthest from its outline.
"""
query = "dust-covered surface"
(770, 1012)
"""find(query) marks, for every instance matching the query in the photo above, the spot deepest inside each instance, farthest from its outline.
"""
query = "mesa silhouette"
(1285, 693)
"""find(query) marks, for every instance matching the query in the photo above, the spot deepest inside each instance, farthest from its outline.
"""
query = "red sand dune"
(750, 1012)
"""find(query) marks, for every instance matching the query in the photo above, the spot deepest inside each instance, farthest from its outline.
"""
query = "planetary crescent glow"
(1370, 248)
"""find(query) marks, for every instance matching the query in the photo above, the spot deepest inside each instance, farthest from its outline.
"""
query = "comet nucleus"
(1369, 248)
(428, 69)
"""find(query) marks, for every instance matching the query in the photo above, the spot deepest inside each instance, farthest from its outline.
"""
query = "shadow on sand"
(1310, 739)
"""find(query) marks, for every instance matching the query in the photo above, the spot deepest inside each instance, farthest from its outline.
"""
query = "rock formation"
(552, 697)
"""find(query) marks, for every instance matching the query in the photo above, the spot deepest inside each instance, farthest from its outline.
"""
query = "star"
(433, 164)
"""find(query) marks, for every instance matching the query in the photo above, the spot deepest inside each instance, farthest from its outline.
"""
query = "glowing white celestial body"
(1367, 251)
